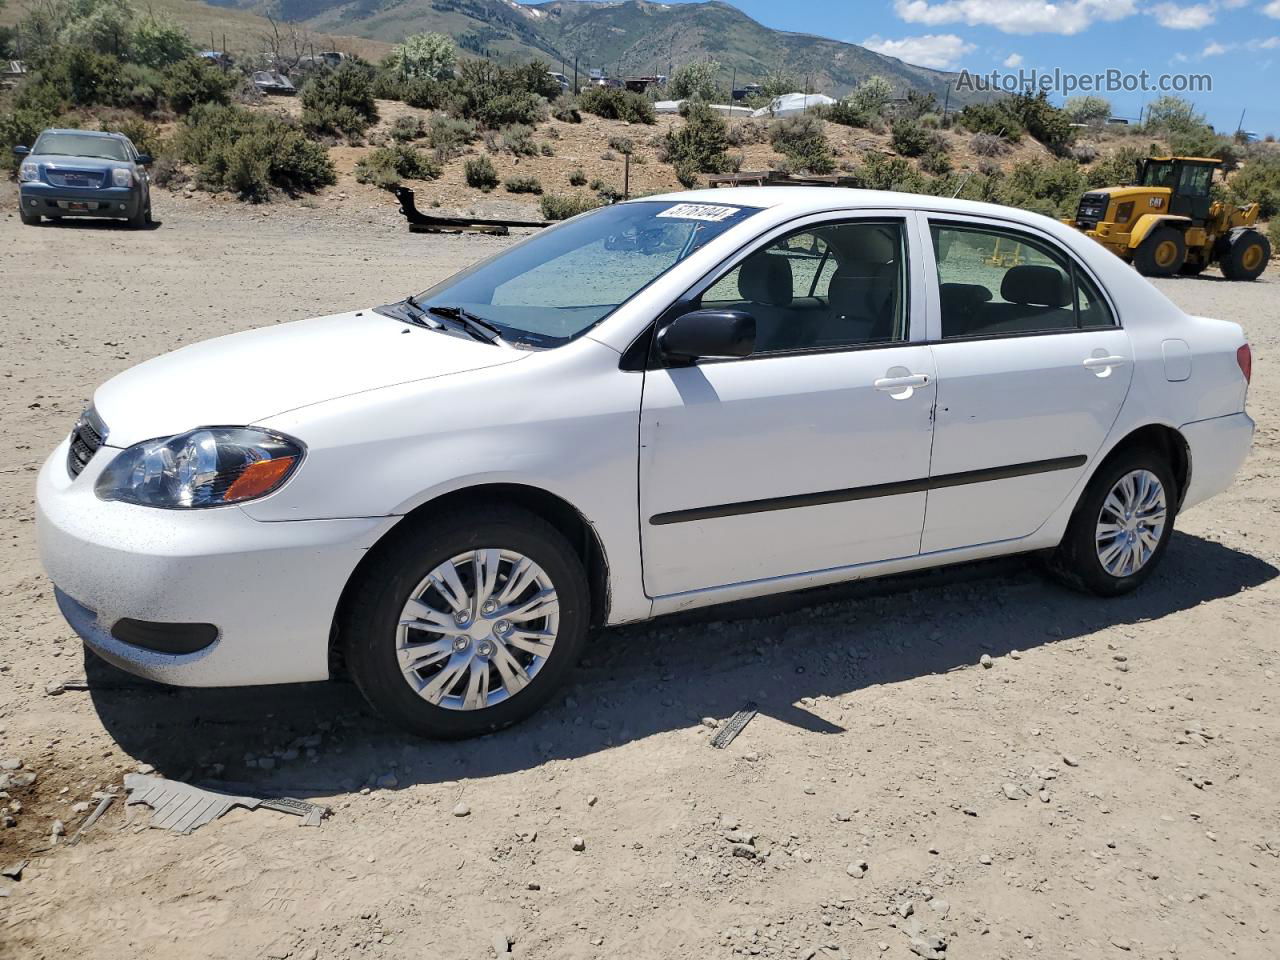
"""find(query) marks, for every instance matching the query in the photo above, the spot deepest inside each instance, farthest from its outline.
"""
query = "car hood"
(247, 377)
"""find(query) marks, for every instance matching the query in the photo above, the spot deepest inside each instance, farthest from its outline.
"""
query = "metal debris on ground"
(725, 735)
(181, 807)
(420, 222)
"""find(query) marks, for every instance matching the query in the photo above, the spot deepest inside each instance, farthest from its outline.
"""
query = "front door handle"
(1108, 362)
(903, 386)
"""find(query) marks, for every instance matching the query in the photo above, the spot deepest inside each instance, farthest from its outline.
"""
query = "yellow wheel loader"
(1167, 222)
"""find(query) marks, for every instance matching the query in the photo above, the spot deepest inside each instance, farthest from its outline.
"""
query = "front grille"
(90, 179)
(86, 437)
(1093, 207)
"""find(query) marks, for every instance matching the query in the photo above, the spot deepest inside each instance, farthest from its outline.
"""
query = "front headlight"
(28, 172)
(121, 177)
(208, 467)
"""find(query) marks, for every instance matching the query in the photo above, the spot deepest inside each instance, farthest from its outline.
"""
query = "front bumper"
(1218, 449)
(271, 589)
(50, 201)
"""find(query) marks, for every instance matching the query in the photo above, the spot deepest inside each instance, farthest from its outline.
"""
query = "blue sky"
(1235, 42)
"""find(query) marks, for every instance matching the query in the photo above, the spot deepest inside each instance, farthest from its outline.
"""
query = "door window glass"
(827, 286)
(994, 283)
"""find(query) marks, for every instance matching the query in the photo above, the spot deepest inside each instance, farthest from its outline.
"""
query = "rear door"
(1032, 368)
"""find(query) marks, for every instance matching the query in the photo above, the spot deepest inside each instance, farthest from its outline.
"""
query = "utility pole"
(1240, 125)
(575, 73)
(626, 175)
(946, 103)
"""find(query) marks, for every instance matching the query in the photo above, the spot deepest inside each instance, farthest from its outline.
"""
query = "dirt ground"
(1138, 737)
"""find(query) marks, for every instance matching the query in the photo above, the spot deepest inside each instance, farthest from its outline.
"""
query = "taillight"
(1244, 357)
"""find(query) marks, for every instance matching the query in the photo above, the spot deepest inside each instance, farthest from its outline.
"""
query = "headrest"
(963, 296)
(1039, 285)
(870, 244)
(766, 278)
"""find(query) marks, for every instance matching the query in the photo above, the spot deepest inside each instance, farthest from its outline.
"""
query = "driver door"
(813, 452)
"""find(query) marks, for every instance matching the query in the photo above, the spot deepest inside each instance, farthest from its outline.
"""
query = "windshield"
(1157, 174)
(80, 145)
(564, 280)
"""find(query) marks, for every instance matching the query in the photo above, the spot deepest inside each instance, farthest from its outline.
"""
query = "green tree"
(1087, 109)
(871, 95)
(430, 55)
(1169, 113)
(158, 42)
(696, 81)
(102, 25)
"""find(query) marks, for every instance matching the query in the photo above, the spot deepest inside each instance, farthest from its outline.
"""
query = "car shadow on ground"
(97, 223)
(641, 680)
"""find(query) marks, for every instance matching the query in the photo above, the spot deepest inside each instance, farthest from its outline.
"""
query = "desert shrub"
(988, 144)
(1050, 188)
(481, 174)
(1168, 113)
(517, 139)
(699, 145)
(386, 166)
(143, 135)
(522, 184)
(423, 93)
(1273, 234)
(936, 161)
(1203, 142)
(577, 177)
(193, 81)
(22, 126)
(745, 132)
(339, 102)
(881, 172)
(1115, 169)
(562, 206)
(917, 106)
(992, 118)
(695, 81)
(614, 104)
(1084, 152)
(846, 114)
(623, 145)
(608, 192)
(1048, 124)
(911, 139)
(1258, 181)
(870, 98)
(251, 153)
(565, 109)
(448, 135)
(546, 149)
(802, 139)
(158, 41)
(1087, 109)
(407, 129)
(495, 97)
(429, 55)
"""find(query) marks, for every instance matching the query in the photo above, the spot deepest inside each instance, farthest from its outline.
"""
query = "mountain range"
(627, 37)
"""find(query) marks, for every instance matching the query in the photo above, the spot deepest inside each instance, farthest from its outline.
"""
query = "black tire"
(1076, 562)
(1246, 256)
(141, 219)
(371, 616)
(30, 219)
(1150, 258)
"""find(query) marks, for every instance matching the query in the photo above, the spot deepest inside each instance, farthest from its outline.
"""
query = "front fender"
(1149, 221)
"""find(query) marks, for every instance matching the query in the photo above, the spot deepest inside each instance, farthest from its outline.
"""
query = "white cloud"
(941, 51)
(1013, 60)
(1066, 17)
(1178, 17)
(1214, 49)
(1272, 9)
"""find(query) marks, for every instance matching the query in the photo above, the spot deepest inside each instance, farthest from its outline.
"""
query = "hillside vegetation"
(468, 127)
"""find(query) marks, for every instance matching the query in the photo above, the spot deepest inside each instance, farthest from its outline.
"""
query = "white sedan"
(659, 405)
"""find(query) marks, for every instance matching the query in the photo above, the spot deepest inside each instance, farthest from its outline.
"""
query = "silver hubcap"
(477, 629)
(1131, 523)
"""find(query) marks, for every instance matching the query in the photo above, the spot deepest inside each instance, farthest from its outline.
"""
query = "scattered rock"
(533, 885)
(579, 844)
(54, 687)
(1012, 791)
(985, 859)
(592, 800)
(10, 763)
(940, 907)
(1121, 944)
(501, 944)
(461, 810)
(1069, 760)
(14, 870)
(906, 908)
(930, 948)
(857, 870)
(986, 661)
(710, 722)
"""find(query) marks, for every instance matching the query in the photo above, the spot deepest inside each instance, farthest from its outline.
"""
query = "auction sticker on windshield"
(699, 211)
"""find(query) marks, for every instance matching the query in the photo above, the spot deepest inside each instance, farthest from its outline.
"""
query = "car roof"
(804, 200)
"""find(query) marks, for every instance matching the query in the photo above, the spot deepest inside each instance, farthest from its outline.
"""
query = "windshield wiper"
(478, 327)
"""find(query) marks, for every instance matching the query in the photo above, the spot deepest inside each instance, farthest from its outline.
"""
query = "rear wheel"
(1161, 254)
(1246, 256)
(1121, 527)
(468, 625)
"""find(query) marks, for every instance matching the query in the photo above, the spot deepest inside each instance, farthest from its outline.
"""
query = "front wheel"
(1161, 254)
(30, 219)
(1121, 527)
(468, 624)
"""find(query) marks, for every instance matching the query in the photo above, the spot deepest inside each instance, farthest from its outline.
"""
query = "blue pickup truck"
(83, 173)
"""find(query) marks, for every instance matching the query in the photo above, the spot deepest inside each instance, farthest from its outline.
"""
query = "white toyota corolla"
(662, 404)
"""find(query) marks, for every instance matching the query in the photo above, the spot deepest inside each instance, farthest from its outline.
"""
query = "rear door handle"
(1094, 363)
(895, 384)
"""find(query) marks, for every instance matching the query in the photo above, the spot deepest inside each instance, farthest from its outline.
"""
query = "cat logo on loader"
(1167, 222)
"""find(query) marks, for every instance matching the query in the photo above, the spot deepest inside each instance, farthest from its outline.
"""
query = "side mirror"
(145, 160)
(21, 151)
(709, 333)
